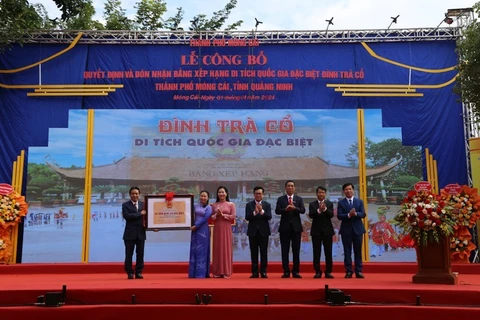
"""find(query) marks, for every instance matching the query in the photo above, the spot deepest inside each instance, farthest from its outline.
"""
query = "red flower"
(169, 195)
(411, 194)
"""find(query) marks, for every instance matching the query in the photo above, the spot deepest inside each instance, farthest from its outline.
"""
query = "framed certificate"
(174, 214)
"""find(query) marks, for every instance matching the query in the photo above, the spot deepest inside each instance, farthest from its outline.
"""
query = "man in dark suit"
(289, 207)
(351, 212)
(134, 235)
(321, 212)
(258, 212)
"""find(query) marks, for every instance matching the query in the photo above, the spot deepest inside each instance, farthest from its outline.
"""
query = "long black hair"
(226, 191)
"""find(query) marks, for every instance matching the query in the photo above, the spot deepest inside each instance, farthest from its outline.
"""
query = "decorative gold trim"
(382, 94)
(374, 90)
(71, 46)
(74, 90)
(65, 94)
(59, 86)
(406, 86)
(376, 56)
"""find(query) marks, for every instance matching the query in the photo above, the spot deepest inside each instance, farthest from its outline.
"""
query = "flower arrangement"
(5, 245)
(424, 216)
(461, 245)
(465, 208)
(12, 208)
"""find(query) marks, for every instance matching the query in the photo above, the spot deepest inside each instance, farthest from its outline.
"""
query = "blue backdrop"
(189, 77)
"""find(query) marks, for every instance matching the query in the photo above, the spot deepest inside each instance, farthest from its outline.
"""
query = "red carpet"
(103, 289)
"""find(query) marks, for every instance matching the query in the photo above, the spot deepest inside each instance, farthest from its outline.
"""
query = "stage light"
(394, 20)
(337, 298)
(50, 299)
(40, 300)
(64, 293)
(448, 20)
(53, 299)
(265, 299)
(206, 299)
(197, 299)
(134, 299)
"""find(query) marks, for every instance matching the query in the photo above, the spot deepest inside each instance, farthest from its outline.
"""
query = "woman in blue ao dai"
(199, 263)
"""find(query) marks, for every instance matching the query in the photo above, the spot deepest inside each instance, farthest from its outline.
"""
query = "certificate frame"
(177, 214)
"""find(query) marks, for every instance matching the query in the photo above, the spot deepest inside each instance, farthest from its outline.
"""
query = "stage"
(102, 291)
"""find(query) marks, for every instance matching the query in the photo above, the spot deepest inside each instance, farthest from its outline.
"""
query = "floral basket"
(465, 208)
(425, 217)
(5, 245)
(12, 208)
(461, 245)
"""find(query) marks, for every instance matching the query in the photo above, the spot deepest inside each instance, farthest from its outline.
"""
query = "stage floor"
(167, 283)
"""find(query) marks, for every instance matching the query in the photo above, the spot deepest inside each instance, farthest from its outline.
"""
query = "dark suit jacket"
(321, 223)
(353, 225)
(134, 221)
(258, 223)
(290, 218)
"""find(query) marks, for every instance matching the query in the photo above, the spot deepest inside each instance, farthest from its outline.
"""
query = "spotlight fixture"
(336, 297)
(206, 299)
(448, 20)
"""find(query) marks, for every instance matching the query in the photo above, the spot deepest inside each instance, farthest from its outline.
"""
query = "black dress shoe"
(359, 275)
(328, 275)
(138, 276)
(348, 275)
(286, 275)
(263, 275)
(296, 275)
(130, 276)
(317, 275)
(254, 275)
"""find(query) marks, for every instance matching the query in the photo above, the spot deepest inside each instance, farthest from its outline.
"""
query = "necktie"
(350, 203)
(290, 200)
(136, 206)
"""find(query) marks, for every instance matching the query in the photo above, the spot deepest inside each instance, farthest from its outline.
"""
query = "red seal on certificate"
(169, 198)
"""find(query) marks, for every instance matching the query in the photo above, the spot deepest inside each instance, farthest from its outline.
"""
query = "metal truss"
(464, 17)
(263, 37)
